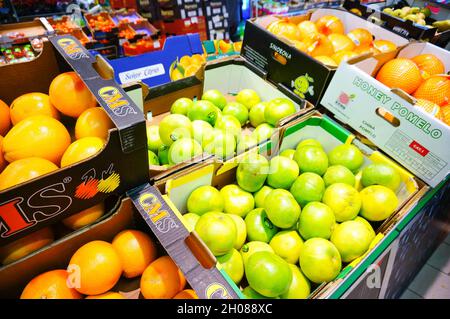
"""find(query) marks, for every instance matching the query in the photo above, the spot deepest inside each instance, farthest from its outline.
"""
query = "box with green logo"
(38, 197)
(178, 187)
(387, 116)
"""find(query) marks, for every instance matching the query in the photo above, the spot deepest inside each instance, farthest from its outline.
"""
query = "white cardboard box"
(420, 142)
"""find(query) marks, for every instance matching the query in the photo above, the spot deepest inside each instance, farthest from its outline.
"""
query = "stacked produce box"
(217, 19)
(239, 187)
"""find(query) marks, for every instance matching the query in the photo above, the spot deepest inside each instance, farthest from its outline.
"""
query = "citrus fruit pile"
(327, 40)
(214, 125)
(96, 267)
(186, 66)
(33, 139)
(422, 76)
(292, 222)
(24, 246)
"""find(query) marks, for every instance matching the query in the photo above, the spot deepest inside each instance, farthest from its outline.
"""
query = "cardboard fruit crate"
(32, 205)
(289, 66)
(388, 118)
(100, 33)
(405, 28)
(129, 16)
(177, 187)
(190, 255)
(24, 31)
(185, 26)
(239, 75)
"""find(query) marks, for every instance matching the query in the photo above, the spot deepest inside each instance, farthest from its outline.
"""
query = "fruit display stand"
(389, 117)
(292, 68)
(405, 28)
(24, 31)
(31, 205)
(201, 275)
(178, 186)
(239, 75)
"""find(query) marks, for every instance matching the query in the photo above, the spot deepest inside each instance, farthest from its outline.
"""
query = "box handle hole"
(200, 251)
(387, 116)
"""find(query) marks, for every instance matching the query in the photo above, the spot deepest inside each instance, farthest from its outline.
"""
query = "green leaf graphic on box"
(180, 68)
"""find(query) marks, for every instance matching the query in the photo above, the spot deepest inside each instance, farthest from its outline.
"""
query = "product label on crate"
(415, 155)
(217, 11)
(142, 73)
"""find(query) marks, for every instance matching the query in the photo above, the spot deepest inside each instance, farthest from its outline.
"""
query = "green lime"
(259, 227)
(378, 202)
(263, 132)
(352, 239)
(191, 219)
(181, 106)
(278, 109)
(218, 232)
(260, 196)
(287, 244)
(381, 174)
(252, 247)
(184, 149)
(248, 97)
(316, 220)
(246, 142)
(347, 155)
(201, 130)
(204, 111)
(216, 97)
(205, 199)
(236, 200)
(289, 153)
(241, 229)
(311, 159)
(233, 265)
(282, 172)
(252, 172)
(229, 124)
(308, 187)
(300, 287)
(163, 155)
(237, 110)
(282, 208)
(256, 114)
(173, 127)
(153, 140)
(220, 143)
(152, 158)
(338, 174)
(268, 274)
(344, 200)
(309, 142)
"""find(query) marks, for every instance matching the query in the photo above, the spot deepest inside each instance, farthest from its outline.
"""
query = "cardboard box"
(172, 238)
(290, 67)
(97, 33)
(177, 187)
(185, 26)
(129, 16)
(405, 28)
(24, 31)
(172, 10)
(229, 76)
(30, 206)
(144, 68)
(413, 137)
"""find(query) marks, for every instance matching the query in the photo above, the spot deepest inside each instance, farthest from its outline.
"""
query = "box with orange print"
(119, 257)
(69, 138)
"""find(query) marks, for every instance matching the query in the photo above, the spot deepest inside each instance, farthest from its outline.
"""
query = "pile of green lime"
(214, 125)
(292, 222)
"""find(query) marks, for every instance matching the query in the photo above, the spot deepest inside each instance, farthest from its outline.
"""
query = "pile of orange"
(34, 142)
(186, 66)
(327, 41)
(424, 78)
(95, 269)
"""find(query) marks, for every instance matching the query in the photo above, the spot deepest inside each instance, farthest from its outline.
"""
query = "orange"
(24, 170)
(322, 46)
(368, 49)
(31, 104)
(185, 61)
(429, 63)
(237, 46)
(400, 73)
(36, 136)
(107, 295)
(186, 294)
(69, 94)
(445, 111)
(85, 217)
(81, 149)
(435, 89)
(191, 70)
(284, 28)
(50, 285)
(176, 75)
(361, 37)
(329, 24)
(429, 107)
(136, 250)
(162, 279)
(302, 46)
(197, 59)
(98, 266)
(326, 60)
(3, 162)
(93, 122)
(225, 47)
(341, 42)
(308, 31)
(25, 245)
(384, 45)
(340, 56)
(5, 120)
